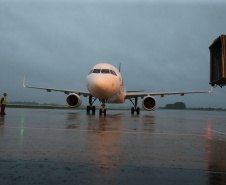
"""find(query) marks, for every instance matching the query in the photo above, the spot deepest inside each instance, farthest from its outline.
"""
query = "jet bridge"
(218, 62)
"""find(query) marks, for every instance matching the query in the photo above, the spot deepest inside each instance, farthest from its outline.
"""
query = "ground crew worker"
(3, 103)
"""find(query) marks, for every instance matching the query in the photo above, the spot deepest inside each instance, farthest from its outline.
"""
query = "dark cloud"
(162, 47)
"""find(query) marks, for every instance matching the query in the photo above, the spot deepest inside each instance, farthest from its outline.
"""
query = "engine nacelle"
(73, 100)
(149, 103)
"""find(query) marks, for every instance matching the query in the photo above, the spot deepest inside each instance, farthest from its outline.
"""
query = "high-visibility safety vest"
(4, 100)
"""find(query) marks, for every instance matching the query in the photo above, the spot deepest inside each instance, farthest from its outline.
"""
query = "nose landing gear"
(103, 110)
(92, 108)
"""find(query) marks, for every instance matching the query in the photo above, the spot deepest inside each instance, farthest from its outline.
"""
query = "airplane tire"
(93, 110)
(105, 112)
(88, 109)
(132, 110)
(100, 112)
(138, 110)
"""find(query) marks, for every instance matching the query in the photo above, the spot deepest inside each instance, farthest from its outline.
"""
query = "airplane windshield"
(112, 72)
(96, 71)
(105, 71)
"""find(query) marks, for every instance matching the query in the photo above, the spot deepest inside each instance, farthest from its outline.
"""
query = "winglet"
(24, 82)
(211, 90)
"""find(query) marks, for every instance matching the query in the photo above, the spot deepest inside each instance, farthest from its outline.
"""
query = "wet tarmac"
(70, 147)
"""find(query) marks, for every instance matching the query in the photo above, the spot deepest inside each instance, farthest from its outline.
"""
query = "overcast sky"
(163, 47)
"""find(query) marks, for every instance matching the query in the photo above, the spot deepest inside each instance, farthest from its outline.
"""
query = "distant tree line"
(181, 105)
(28, 103)
(23, 103)
(209, 109)
(177, 105)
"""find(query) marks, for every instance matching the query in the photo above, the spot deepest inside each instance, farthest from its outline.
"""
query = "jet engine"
(149, 103)
(73, 100)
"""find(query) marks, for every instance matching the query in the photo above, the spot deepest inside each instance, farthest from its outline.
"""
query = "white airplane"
(104, 82)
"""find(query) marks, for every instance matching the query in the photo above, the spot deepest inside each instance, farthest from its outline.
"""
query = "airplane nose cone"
(100, 84)
(99, 87)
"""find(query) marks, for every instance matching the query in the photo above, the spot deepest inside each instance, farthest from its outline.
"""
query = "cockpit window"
(96, 71)
(105, 71)
(112, 72)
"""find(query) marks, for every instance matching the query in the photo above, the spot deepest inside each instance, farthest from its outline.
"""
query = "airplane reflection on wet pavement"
(173, 147)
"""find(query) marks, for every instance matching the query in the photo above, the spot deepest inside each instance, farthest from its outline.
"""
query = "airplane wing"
(85, 94)
(136, 95)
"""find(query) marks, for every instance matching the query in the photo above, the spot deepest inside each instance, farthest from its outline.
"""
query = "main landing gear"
(135, 108)
(91, 107)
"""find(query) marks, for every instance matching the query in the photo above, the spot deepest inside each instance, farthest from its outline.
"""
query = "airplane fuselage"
(105, 83)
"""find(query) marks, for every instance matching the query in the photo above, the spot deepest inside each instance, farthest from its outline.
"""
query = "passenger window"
(105, 71)
(96, 71)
